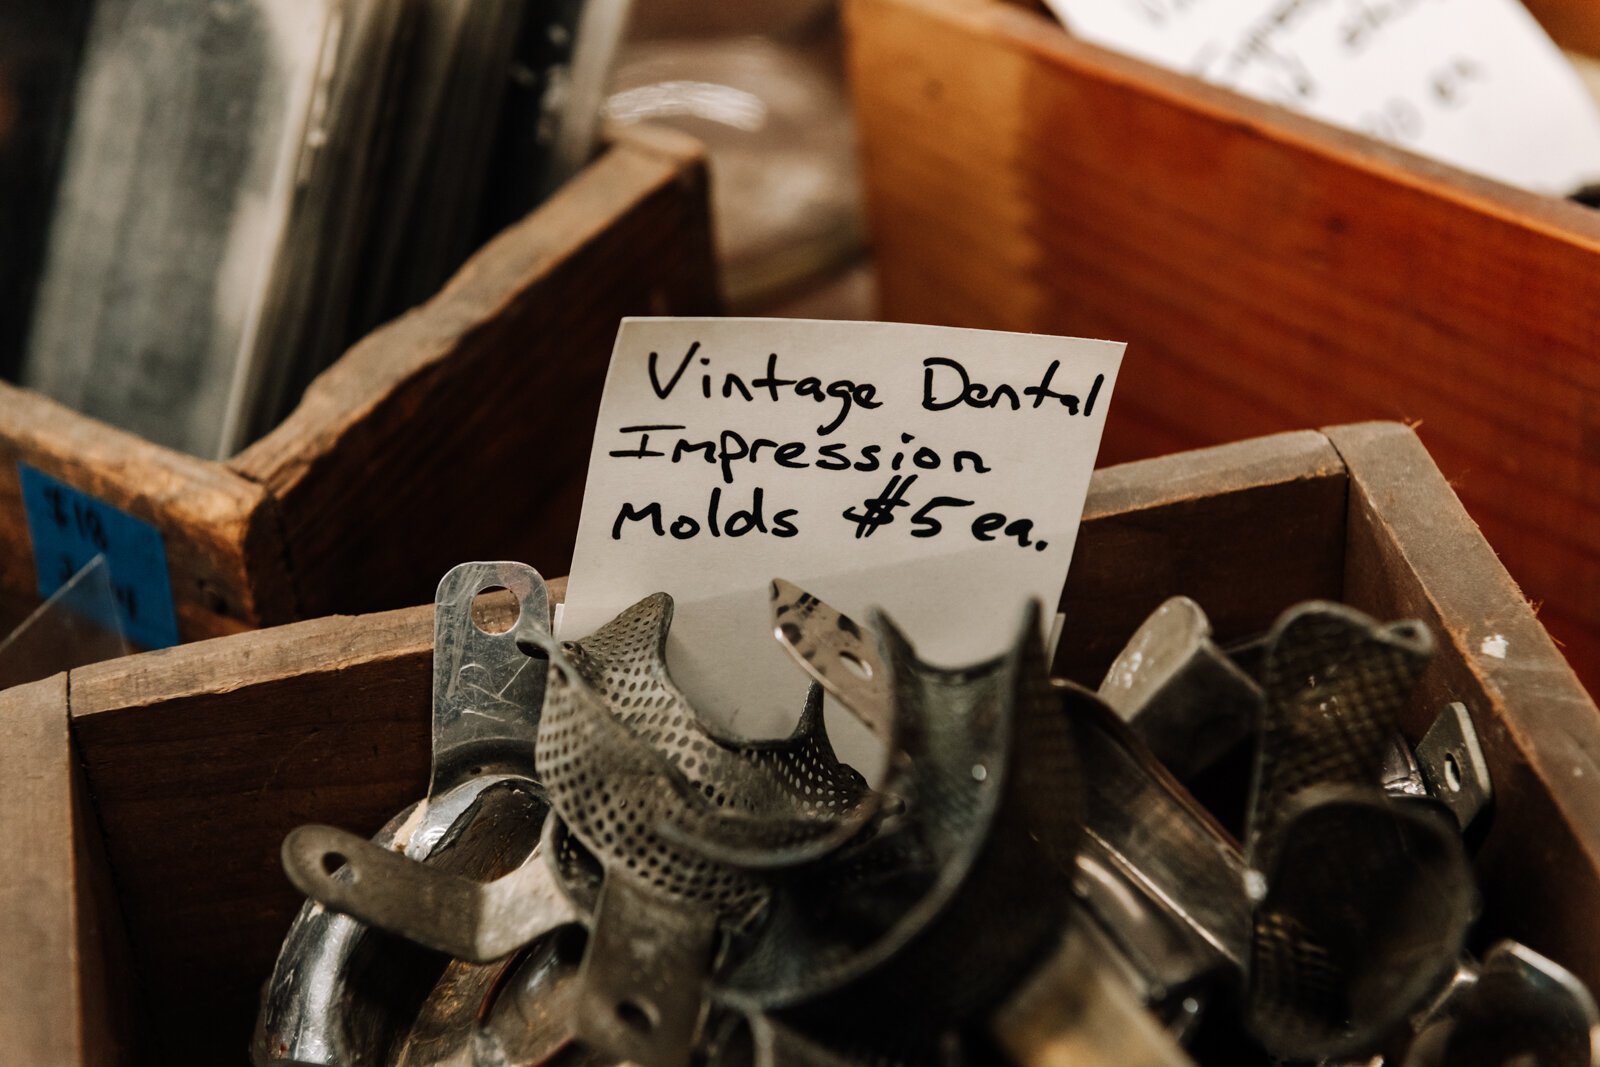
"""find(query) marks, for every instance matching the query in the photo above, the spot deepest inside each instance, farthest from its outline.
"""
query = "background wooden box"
(149, 795)
(431, 441)
(1267, 271)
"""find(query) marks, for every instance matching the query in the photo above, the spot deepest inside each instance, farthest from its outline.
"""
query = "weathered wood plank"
(1266, 270)
(452, 403)
(109, 995)
(1414, 553)
(38, 994)
(202, 758)
(64, 996)
(223, 553)
(1245, 529)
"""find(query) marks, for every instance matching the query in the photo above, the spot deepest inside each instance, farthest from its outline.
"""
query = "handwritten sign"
(1474, 83)
(69, 528)
(939, 474)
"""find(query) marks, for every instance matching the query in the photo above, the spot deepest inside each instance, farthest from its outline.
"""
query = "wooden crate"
(432, 440)
(1268, 271)
(151, 794)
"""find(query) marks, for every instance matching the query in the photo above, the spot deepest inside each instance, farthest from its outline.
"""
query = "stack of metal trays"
(250, 185)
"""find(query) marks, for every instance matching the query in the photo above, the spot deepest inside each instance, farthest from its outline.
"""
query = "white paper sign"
(1474, 83)
(937, 473)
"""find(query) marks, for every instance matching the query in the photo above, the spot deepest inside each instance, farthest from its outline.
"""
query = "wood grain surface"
(462, 431)
(65, 991)
(1244, 529)
(1268, 272)
(203, 757)
(224, 555)
(1414, 553)
(1575, 24)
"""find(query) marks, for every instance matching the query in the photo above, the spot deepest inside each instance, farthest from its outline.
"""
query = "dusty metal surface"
(1517, 1007)
(1453, 764)
(1186, 699)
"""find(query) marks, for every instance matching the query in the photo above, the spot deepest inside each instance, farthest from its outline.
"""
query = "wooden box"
(1268, 271)
(433, 440)
(149, 795)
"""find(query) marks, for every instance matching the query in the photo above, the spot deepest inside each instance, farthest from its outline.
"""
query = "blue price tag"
(70, 528)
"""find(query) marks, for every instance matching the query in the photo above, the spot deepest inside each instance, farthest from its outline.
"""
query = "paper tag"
(1474, 83)
(937, 473)
(70, 528)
